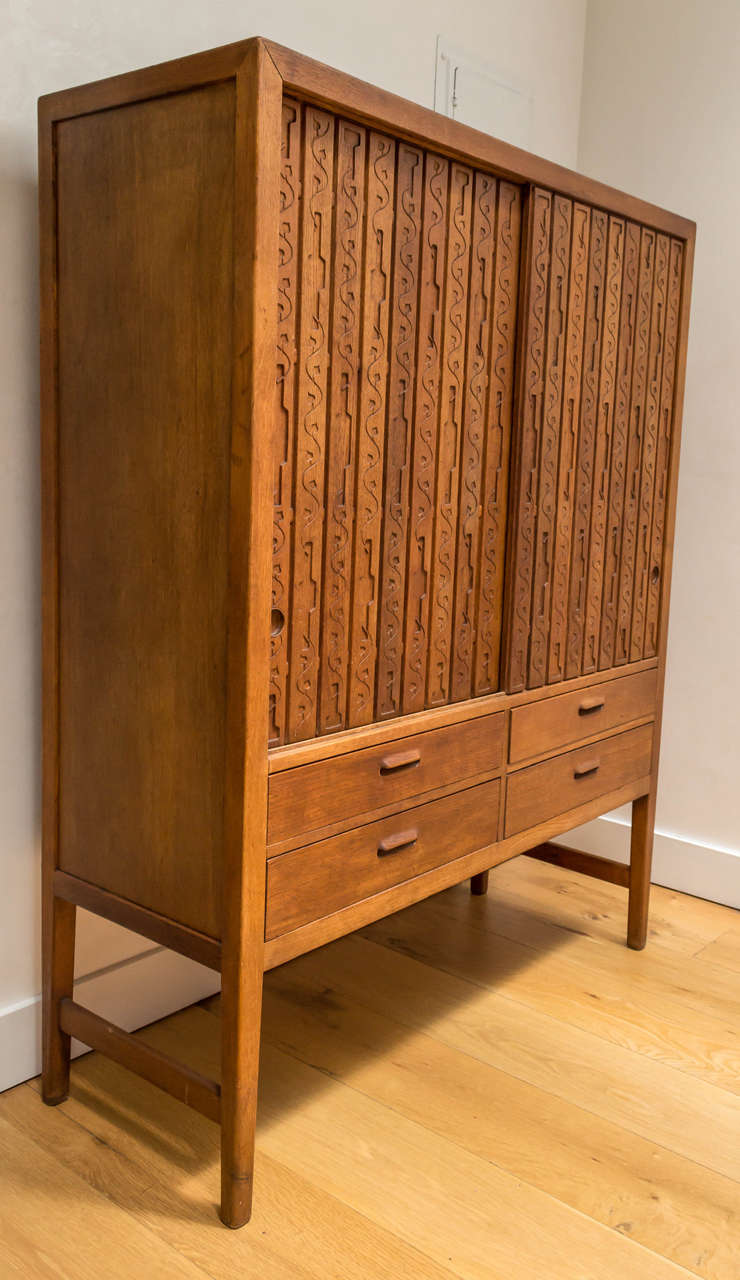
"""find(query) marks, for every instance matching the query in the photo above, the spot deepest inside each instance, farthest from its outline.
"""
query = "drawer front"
(556, 722)
(316, 795)
(320, 879)
(544, 790)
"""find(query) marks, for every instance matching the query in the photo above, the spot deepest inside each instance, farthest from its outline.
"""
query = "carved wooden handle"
(401, 760)
(589, 705)
(394, 844)
(583, 770)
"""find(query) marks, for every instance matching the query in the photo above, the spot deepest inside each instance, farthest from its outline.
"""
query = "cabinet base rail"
(181, 1082)
(589, 864)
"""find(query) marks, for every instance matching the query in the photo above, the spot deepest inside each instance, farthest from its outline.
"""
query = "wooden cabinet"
(360, 447)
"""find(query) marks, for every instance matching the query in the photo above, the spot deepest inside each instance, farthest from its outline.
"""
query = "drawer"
(347, 786)
(544, 790)
(320, 879)
(556, 722)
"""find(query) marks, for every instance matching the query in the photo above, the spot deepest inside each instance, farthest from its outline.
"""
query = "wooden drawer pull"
(589, 705)
(394, 844)
(585, 770)
(401, 760)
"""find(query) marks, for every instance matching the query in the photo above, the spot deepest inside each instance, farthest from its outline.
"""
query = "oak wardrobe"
(360, 447)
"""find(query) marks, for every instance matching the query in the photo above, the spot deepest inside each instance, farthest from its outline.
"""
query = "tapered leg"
(241, 1006)
(58, 974)
(479, 883)
(641, 861)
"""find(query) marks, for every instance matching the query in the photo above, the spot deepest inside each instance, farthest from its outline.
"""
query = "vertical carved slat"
(313, 362)
(664, 448)
(476, 381)
(604, 444)
(497, 441)
(401, 383)
(586, 444)
(634, 446)
(570, 418)
(421, 506)
(613, 537)
(371, 428)
(530, 426)
(549, 448)
(451, 403)
(290, 183)
(650, 446)
(346, 282)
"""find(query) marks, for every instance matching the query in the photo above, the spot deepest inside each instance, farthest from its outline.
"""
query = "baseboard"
(131, 993)
(699, 869)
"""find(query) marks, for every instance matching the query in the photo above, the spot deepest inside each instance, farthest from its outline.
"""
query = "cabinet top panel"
(336, 90)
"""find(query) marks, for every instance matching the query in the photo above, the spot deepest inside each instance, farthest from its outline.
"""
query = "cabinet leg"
(641, 861)
(479, 883)
(58, 975)
(241, 1006)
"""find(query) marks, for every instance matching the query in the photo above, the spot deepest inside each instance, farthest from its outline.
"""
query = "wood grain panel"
(649, 446)
(613, 539)
(285, 409)
(525, 482)
(603, 445)
(550, 441)
(570, 421)
(634, 446)
(145, 361)
(588, 497)
(310, 429)
(665, 436)
(341, 439)
(451, 403)
(497, 441)
(395, 429)
(371, 427)
(422, 503)
(473, 440)
(586, 444)
(401, 386)
(397, 289)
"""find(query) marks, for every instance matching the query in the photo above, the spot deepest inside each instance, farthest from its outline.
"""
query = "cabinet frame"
(262, 72)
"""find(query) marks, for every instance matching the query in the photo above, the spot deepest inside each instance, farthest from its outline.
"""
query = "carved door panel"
(592, 441)
(397, 296)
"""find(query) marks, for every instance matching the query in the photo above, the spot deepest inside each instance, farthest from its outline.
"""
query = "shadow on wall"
(20, 539)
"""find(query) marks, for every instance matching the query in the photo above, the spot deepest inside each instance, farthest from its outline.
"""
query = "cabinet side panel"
(145, 201)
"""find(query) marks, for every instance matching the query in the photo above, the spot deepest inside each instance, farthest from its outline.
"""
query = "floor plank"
(725, 950)
(458, 1208)
(481, 1088)
(627, 1182)
(53, 1224)
(614, 996)
(677, 921)
(158, 1161)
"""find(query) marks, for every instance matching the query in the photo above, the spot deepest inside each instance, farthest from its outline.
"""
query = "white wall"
(660, 117)
(49, 46)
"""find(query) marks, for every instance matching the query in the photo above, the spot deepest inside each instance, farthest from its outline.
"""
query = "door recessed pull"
(401, 760)
(589, 705)
(394, 844)
(584, 770)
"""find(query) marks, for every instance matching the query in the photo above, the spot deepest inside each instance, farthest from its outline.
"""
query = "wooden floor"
(476, 1087)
